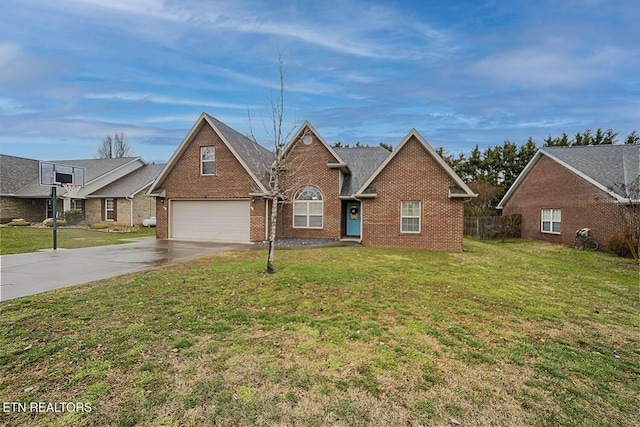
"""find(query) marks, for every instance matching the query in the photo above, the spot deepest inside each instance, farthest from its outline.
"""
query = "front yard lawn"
(516, 334)
(15, 240)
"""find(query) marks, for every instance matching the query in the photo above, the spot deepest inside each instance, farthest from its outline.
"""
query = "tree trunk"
(272, 235)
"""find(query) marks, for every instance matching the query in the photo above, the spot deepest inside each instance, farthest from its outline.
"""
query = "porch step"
(351, 240)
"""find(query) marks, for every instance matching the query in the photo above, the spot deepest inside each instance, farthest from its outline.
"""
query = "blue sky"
(460, 72)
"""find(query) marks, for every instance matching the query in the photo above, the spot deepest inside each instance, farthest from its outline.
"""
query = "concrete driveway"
(36, 272)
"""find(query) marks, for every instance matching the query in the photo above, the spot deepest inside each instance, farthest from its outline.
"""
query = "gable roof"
(97, 170)
(605, 166)
(252, 156)
(15, 173)
(459, 190)
(362, 163)
(131, 184)
(306, 129)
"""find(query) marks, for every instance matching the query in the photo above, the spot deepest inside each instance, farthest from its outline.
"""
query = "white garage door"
(223, 221)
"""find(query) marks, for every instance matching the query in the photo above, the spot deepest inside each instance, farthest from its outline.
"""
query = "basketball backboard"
(54, 174)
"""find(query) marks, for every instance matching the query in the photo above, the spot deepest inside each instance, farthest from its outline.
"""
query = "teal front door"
(353, 219)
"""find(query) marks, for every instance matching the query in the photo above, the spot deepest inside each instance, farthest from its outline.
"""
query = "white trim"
(298, 136)
(308, 204)
(408, 217)
(102, 181)
(519, 179)
(550, 221)
(204, 118)
(431, 152)
(107, 210)
(584, 176)
(202, 161)
(74, 201)
(140, 189)
(130, 199)
(529, 167)
(238, 157)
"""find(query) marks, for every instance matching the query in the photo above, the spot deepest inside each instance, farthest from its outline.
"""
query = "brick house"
(114, 190)
(564, 189)
(214, 187)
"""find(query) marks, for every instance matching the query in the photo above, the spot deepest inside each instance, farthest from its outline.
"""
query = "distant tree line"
(358, 144)
(491, 172)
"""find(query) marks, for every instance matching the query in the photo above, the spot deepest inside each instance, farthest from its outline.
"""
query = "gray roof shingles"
(608, 165)
(255, 156)
(130, 184)
(362, 163)
(95, 168)
(15, 173)
(20, 176)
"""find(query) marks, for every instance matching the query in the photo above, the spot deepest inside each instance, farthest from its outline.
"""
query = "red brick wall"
(552, 186)
(413, 175)
(257, 219)
(162, 217)
(230, 181)
(307, 166)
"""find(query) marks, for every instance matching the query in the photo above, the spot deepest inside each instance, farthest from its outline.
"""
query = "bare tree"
(113, 147)
(629, 211)
(276, 171)
(483, 205)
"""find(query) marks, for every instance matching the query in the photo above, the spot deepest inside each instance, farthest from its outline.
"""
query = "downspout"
(130, 199)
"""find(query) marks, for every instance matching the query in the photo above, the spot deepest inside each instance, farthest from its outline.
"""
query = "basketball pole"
(54, 196)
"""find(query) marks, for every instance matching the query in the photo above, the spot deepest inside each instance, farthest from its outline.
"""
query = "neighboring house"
(564, 189)
(114, 190)
(214, 186)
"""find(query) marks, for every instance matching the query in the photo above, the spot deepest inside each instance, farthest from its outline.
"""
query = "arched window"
(307, 208)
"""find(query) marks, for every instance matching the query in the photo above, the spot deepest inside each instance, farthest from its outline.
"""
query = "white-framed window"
(410, 217)
(551, 220)
(308, 208)
(207, 160)
(76, 204)
(109, 209)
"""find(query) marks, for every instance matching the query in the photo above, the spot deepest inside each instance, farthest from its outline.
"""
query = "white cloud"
(540, 67)
(10, 106)
(149, 8)
(369, 30)
(177, 118)
(159, 99)
(18, 65)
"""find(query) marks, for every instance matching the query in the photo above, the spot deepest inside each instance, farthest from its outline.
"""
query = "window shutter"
(115, 210)
(103, 209)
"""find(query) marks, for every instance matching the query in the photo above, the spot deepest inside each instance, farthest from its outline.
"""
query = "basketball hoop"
(71, 189)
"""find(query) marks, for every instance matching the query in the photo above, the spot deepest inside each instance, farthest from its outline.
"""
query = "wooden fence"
(479, 227)
(492, 226)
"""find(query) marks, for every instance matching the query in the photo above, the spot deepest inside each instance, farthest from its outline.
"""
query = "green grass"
(513, 334)
(21, 240)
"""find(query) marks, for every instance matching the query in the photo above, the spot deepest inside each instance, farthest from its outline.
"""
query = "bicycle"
(584, 241)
